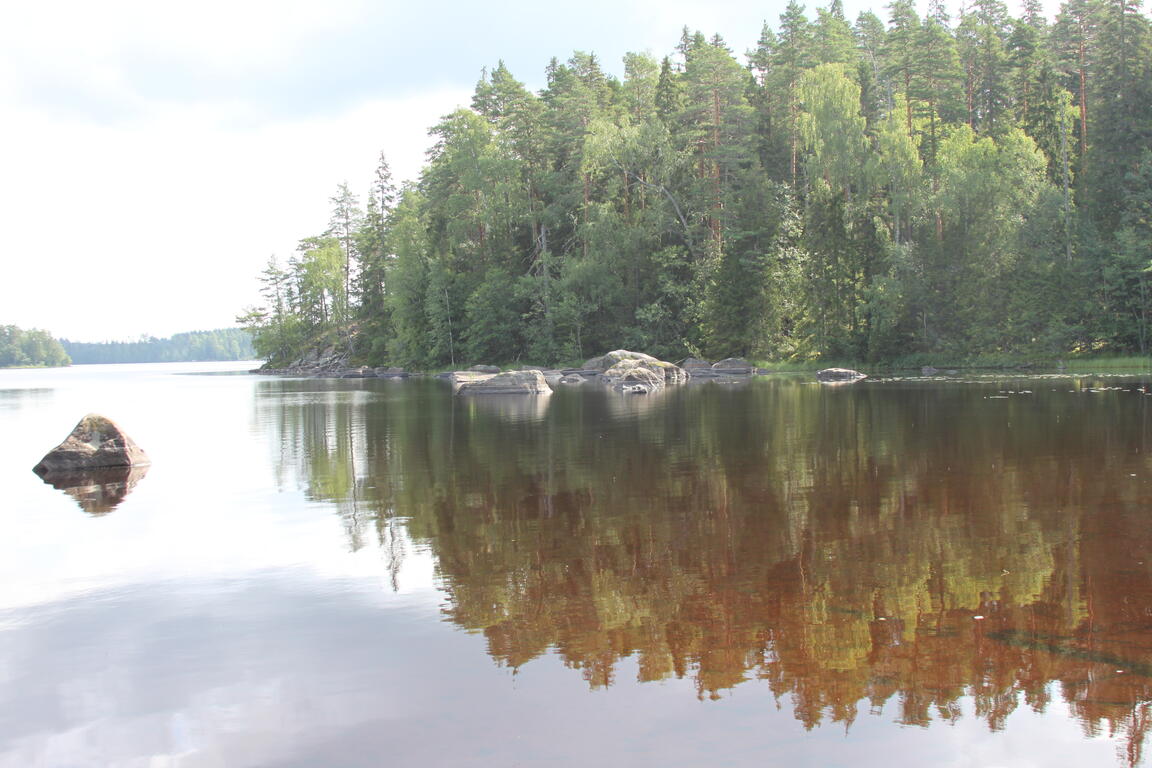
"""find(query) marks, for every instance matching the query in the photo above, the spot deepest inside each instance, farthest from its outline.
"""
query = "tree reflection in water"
(901, 543)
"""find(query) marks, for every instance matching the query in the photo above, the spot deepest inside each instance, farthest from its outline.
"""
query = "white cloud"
(142, 194)
(162, 225)
(225, 33)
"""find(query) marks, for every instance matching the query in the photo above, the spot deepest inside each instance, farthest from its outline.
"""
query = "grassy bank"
(1120, 364)
(1113, 364)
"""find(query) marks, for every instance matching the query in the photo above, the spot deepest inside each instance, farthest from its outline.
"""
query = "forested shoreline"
(30, 348)
(899, 188)
(193, 346)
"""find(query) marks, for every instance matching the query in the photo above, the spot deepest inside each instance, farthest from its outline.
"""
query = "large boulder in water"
(508, 383)
(839, 375)
(96, 443)
(637, 376)
(626, 371)
(604, 362)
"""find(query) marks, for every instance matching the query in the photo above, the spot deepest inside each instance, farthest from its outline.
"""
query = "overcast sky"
(155, 153)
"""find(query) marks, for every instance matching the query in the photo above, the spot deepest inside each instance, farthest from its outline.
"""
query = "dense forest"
(915, 188)
(195, 346)
(31, 348)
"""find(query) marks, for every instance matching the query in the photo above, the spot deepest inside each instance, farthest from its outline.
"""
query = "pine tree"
(1074, 37)
(716, 125)
(901, 52)
(983, 36)
(375, 261)
(1121, 126)
(792, 56)
(343, 226)
(870, 36)
(832, 38)
(668, 96)
(937, 83)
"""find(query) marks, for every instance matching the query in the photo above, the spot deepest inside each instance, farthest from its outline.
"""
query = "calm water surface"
(370, 573)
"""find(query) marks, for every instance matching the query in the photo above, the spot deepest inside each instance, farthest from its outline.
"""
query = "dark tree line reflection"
(906, 545)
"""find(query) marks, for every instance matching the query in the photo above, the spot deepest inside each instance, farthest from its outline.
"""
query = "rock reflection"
(907, 546)
(98, 491)
(512, 407)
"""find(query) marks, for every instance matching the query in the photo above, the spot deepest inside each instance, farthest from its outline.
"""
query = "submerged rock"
(96, 443)
(840, 375)
(507, 383)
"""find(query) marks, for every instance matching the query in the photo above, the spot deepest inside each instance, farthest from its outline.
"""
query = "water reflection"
(97, 491)
(12, 399)
(529, 408)
(896, 544)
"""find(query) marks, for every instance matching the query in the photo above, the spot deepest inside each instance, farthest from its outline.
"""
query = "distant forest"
(33, 348)
(195, 346)
(900, 188)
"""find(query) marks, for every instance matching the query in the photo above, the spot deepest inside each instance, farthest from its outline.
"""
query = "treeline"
(195, 346)
(20, 348)
(910, 187)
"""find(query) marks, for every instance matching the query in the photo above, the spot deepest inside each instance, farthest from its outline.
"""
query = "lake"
(365, 573)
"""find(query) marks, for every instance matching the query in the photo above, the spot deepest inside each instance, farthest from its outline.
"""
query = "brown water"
(363, 573)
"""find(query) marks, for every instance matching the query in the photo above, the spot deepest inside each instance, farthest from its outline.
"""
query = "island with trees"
(908, 188)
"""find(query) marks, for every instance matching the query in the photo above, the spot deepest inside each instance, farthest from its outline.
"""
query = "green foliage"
(928, 188)
(30, 348)
(489, 313)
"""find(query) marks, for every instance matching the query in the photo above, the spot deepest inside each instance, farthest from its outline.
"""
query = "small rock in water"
(733, 365)
(839, 375)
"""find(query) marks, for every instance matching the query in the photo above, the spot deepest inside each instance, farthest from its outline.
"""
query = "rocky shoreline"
(620, 370)
(363, 372)
(331, 364)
